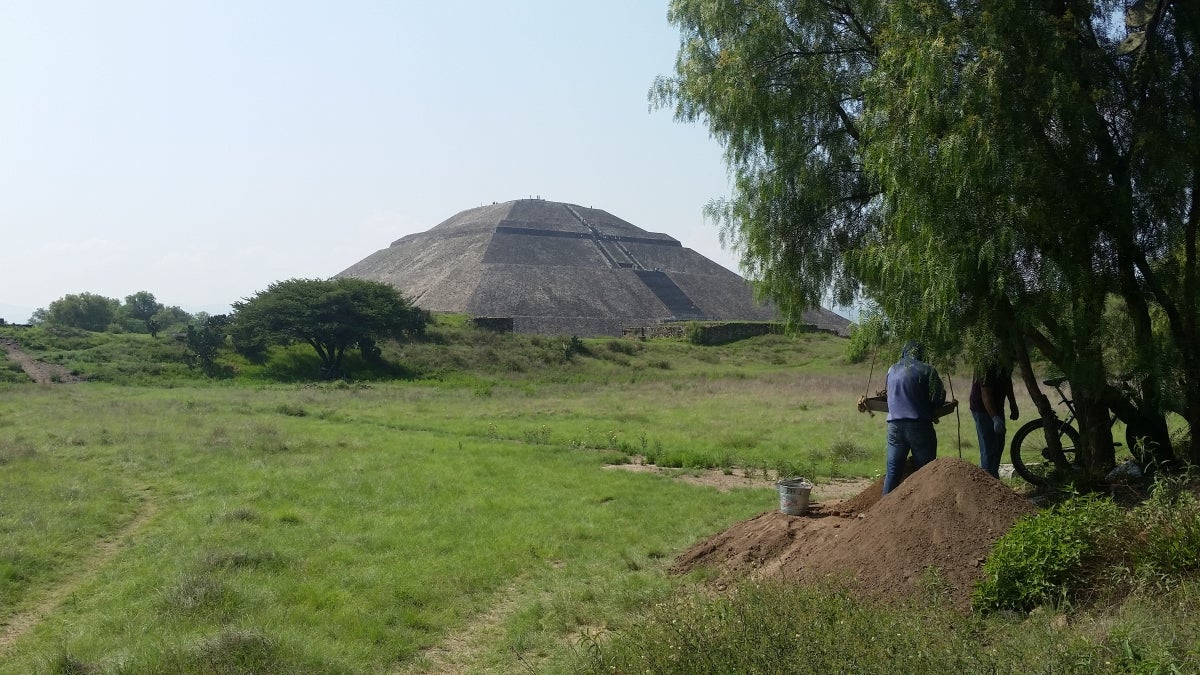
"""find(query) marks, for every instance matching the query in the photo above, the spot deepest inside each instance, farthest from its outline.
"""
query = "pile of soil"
(946, 516)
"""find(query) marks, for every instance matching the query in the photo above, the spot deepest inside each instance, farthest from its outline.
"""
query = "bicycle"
(1030, 456)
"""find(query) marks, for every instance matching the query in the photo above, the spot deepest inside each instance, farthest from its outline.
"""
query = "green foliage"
(868, 337)
(142, 306)
(126, 358)
(11, 371)
(966, 168)
(330, 315)
(205, 342)
(1088, 547)
(85, 311)
(140, 313)
(1043, 559)
(1163, 536)
(780, 86)
(174, 318)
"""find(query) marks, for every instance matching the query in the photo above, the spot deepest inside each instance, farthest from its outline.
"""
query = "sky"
(201, 150)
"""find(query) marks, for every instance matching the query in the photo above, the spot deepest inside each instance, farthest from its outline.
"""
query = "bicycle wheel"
(1031, 457)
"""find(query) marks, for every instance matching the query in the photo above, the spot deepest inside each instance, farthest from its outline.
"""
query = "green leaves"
(1043, 559)
(329, 315)
(988, 167)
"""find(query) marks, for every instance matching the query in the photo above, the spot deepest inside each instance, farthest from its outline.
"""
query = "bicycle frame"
(1069, 420)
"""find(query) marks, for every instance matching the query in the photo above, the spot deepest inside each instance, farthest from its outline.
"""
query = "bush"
(1043, 559)
(1163, 536)
(1089, 546)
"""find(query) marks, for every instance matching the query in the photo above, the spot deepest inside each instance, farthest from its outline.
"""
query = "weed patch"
(16, 449)
(1088, 547)
(203, 594)
(242, 559)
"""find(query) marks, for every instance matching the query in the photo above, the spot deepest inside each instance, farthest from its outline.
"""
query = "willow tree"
(1016, 167)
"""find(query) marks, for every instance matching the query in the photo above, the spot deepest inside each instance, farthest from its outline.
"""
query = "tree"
(330, 315)
(1003, 167)
(86, 311)
(142, 306)
(204, 342)
(174, 316)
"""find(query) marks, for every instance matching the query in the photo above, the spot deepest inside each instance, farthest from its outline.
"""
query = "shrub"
(626, 347)
(1162, 536)
(1088, 544)
(1044, 559)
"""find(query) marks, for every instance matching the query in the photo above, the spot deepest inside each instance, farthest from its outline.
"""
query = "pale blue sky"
(201, 150)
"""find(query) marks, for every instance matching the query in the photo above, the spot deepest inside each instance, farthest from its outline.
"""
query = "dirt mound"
(864, 500)
(946, 516)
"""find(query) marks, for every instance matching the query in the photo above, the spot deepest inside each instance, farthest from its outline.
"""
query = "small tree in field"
(330, 315)
(86, 311)
(143, 306)
(204, 342)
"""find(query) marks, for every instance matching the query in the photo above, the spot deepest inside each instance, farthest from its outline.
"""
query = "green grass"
(778, 628)
(245, 526)
(352, 536)
(778, 402)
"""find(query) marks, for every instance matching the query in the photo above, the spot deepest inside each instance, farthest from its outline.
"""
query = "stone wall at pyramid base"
(707, 332)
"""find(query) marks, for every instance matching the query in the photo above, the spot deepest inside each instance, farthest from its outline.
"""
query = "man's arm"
(993, 399)
(1012, 398)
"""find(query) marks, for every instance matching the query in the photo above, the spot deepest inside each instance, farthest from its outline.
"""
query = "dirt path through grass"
(13, 628)
(460, 652)
(38, 371)
(725, 480)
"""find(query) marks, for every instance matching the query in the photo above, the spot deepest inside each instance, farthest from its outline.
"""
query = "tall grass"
(352, 526)
(781, 628)
(346, 537)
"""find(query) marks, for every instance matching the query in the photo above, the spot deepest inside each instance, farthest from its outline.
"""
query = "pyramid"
(556, 268)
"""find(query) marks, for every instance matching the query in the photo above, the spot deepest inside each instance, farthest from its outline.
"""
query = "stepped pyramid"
(556, 268)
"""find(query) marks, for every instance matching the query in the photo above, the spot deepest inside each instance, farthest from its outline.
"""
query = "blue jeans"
(904, 436)
(991, 445)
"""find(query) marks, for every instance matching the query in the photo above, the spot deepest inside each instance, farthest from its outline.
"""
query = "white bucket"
(793, 496)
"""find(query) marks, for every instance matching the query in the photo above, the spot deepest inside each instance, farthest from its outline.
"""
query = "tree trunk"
(1098, 454)
(1043, 405)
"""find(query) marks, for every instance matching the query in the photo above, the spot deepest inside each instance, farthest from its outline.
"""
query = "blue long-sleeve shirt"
(914, 390)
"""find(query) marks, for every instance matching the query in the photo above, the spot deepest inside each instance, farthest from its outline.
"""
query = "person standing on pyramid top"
(914, 392)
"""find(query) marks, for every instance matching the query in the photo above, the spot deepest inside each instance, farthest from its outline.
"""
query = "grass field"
(351, 527)
(459, 521)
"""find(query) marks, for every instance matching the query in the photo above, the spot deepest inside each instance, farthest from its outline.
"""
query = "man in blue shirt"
(914, 391)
